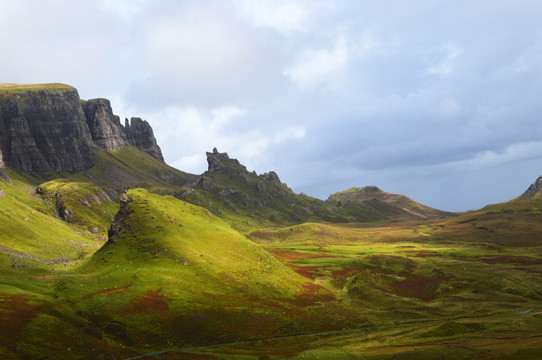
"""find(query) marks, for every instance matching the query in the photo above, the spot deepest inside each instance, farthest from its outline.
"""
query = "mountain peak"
(218, 161)
(533, 191)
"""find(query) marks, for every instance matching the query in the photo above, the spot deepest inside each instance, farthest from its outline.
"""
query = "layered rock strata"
(48, 128)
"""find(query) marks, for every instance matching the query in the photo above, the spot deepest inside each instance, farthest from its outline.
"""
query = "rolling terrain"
(127, 257)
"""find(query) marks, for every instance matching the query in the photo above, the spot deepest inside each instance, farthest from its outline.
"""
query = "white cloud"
(194, 50)
(283, 15)
(322, 66)
(446, 108)
(441, 60)
(294, 132)
(186, 133)
(124, 9)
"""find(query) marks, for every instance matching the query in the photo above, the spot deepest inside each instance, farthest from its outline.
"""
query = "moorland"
(106, 252)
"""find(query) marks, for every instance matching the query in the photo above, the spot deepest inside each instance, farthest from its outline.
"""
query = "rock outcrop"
(2, 167)
(105, 127)
(139, 134)
(533, 191)
(48, 128)
(221, 161)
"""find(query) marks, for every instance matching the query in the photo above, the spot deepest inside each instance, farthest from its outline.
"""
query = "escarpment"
(105, 127)
(139, 134)
(46, 128)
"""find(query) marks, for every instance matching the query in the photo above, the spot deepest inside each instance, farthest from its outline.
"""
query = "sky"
(437, 100)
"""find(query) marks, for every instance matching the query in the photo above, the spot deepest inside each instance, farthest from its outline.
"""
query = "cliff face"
(46, 131)
(2, 168)
(105, 128)
(139, 134)
(48, 128)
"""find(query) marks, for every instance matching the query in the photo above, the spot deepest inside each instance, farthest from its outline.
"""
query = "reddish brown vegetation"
(187, 356)
(348, 271)
(508, 259)
(293, 255)
(421, 253)
(306, 271)
(152, 303)
(415, 286)
(313, 293)
(104, 292)
(15, 313)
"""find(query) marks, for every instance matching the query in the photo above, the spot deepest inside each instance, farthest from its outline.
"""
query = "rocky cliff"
(48, 128)
(139, 134)
(2, 168)
(105, 127)
(534, 191)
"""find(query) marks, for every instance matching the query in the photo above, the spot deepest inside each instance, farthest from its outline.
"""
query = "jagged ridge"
(47, 127)
(533, 192)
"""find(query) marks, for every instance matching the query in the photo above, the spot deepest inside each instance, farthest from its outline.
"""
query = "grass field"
(177, 281)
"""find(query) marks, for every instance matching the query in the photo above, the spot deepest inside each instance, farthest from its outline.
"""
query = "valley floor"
(177, 282)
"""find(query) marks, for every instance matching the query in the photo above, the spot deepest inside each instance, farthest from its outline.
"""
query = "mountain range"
(108, 252)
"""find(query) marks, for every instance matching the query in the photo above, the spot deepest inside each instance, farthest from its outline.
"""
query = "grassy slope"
(179, 275)
(175, 275)
(443, 289)
(130, 167)
(32, 236)
(16, 88)
(248, 200)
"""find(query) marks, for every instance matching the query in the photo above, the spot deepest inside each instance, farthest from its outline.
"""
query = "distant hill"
(247, 199)
(390, 205)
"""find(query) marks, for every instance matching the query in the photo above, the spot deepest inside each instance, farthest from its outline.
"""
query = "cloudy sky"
(437, 100)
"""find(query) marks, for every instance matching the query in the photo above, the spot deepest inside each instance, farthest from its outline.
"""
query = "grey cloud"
(414, 97)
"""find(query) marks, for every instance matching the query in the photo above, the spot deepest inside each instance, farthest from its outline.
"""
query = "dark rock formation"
(48, 128)
(2, 167)
(118, 223)
(531, 192)
(272, 176)
(221, 162)
(105, 128)
(64, 212)
(45, 130)
(139, 134)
